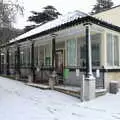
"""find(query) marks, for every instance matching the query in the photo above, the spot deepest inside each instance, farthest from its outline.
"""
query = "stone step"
(100, 92)
(41, 86)
(69, 90)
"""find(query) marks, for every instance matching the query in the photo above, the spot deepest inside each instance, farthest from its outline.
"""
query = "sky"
(63, 6)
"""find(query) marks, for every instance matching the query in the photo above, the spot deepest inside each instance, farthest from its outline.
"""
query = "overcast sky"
(63, 6)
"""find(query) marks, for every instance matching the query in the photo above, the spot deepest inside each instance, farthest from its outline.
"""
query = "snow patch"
(54, 23)
(21, 102)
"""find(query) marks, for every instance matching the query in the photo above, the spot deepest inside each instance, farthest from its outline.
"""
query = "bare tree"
(8, 12)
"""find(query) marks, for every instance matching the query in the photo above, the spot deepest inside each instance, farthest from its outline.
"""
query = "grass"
(8, 76)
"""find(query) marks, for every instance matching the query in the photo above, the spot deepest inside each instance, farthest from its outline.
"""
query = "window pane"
(21, 56)
(71, 52)
(28, 56)
(95, 41)
(116, 50)
(95, 54)
(109, 50)
(47, 55)
(41, 55)
(35, 55)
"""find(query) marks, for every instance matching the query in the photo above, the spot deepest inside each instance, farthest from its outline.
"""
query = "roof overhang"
(67, 25)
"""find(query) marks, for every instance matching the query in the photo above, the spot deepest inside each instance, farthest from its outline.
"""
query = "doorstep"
(69, 90)
(100, 92)
(41, 86)
(75, 91)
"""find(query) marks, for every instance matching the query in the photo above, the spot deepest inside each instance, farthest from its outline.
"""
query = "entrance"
(60, 61)
(3, 65)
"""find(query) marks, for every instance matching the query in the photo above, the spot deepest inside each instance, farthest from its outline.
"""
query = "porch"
(33, 57)
(62, 51)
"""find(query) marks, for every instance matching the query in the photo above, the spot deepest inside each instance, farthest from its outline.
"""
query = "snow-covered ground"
(21, 102)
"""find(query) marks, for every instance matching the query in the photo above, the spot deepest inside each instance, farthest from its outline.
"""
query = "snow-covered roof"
(71, 16)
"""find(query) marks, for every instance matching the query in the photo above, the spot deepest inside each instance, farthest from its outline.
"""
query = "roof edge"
(67, 25)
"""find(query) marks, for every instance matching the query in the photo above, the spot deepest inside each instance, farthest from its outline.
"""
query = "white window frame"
(113, 45)
(74, 39)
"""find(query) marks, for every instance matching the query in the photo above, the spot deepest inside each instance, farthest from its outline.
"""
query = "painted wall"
(111, 16)
(111, 76)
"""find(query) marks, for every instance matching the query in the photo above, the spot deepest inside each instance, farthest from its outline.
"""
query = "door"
(59, 61)
(3, 63)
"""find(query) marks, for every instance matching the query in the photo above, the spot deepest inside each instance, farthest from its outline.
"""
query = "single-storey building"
(62, 45)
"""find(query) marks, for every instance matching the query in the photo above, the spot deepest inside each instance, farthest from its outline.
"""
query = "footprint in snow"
(51, 110)
(78, 115)
(116, 117)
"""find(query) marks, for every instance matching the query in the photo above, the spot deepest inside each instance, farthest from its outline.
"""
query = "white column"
(89, 51)
(89, 83)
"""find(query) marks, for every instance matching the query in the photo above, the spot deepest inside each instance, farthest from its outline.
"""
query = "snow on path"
(21, 102)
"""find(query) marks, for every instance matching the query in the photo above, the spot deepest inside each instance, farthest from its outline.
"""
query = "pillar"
(53, 53)
(88, 51)
(18, 63)
(7, 62)
(52, 78)
(89, 83)
(31, 77)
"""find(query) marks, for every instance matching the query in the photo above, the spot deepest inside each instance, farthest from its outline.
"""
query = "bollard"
(52, 80)
(17, 77)
(30, 78)
(82, 88)
(89, 89)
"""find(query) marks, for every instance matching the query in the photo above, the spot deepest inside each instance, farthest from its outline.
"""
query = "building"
(113, 70)
(62, 45)
(110, 15)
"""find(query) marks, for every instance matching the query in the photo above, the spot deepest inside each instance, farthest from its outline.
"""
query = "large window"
(71, 52)
(116, 51)
(25, 57)
(96, 54)
(36, 55)
(47, 55)
(95, 41)
(112, 50)
(12, 57)
(42, 55)
(2, 58)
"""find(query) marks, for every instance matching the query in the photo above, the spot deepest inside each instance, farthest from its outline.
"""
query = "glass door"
(59, 61)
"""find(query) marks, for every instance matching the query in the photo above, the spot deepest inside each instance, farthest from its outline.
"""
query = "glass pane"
(47, 55)
(41, 55)
(95, 54)
(116, 51)
(95, 41)
(35, 55)
(71, 52)
(109, 50)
